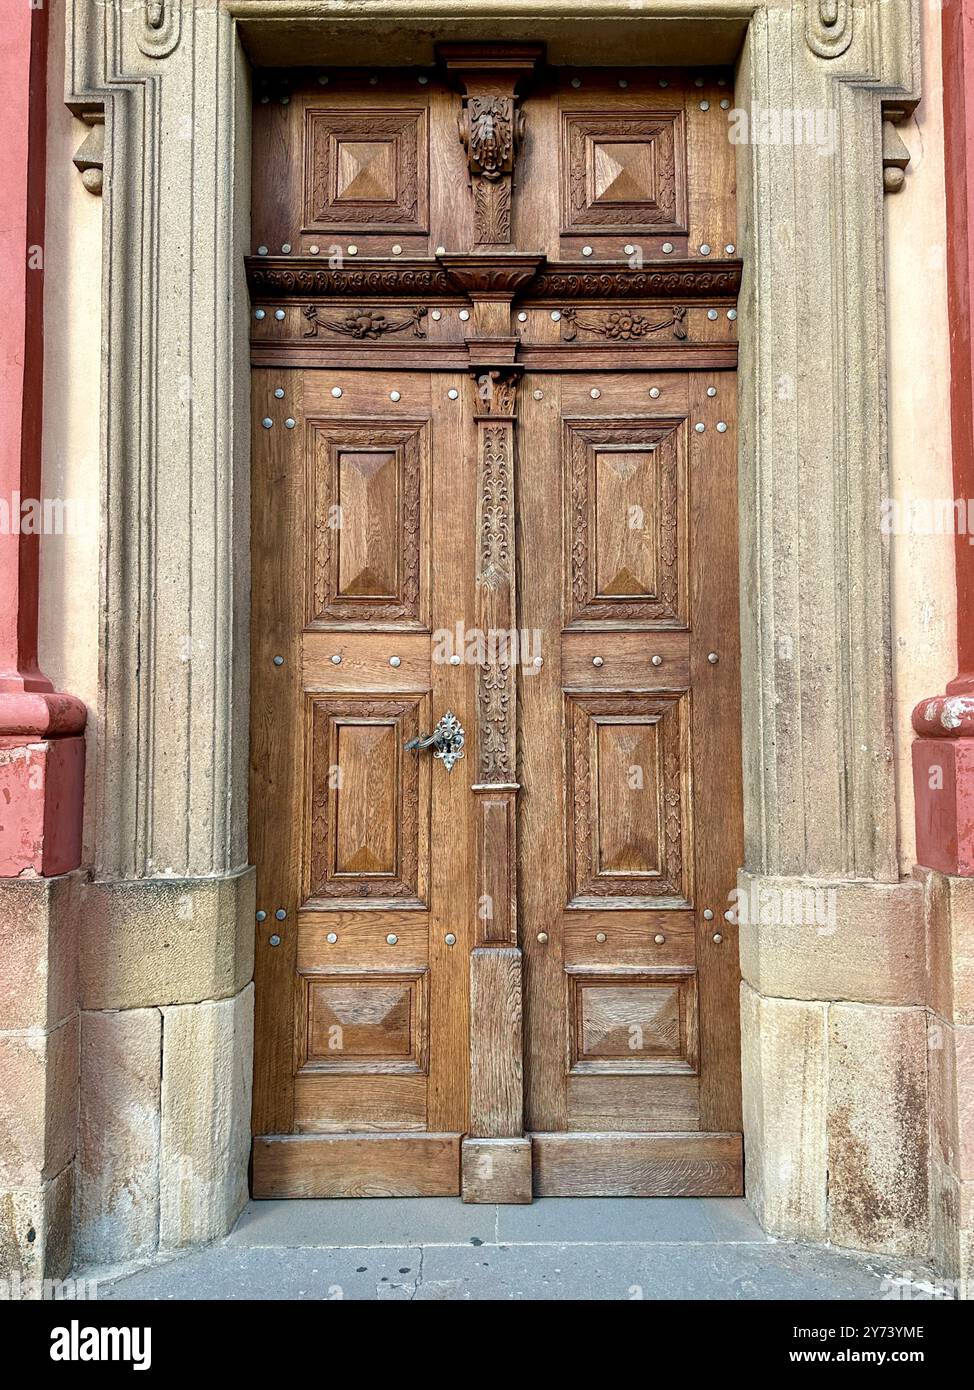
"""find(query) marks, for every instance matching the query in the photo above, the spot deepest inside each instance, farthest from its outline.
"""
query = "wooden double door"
(495, 752)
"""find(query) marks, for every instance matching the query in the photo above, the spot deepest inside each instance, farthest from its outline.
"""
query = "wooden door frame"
(819, 791)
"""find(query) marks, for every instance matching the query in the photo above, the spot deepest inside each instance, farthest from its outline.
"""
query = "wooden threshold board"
(356, 1165)
(637, 1165)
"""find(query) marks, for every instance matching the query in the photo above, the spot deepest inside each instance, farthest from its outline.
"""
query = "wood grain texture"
(637, 1165)
(496, 1170)
(562, 493)
(496, 1069)
(356, 1165)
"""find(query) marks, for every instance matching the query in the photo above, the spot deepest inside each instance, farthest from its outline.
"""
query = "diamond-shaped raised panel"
(633, 1020)
(629, 837)
(626, 523)
(366, 169)
(368, 506)
(365, 1021)
(368, 801)
(623, 171)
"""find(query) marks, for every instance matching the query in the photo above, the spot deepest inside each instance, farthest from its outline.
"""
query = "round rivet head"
(331, 938)
(623, 82)
(629, 250)
(391, 939)
(279, 393)
(522, 317)
(667, 247)
(395, 396)
(274, 940)
(698, 81)
(539, 395)
(711, 314)
(286, 248)
(654, 392)
(279, 315)
(705, 250)
(336, 391)
(729, 915)
(717, 937)
(595, 393)
(464, 314)
(600, 936)
(708, 914)
(598, 660)
(323, 79)
(455, 660)
(542, 937)
(586, 250)
(278, 661)
(724, 104)
(663, 82)
(262, 250)
(261, 915)
(555, 315)
(441, 250)
(657, 660)
(422, 79)
(314, 250)
(705, 106)
(259, 314)
(281, 913)
(732, 314)
(659, 938)
(713, 658)
(700, 427)
(453, 393)
(397, 250)
(576, 82)
(539, 661)
(437, 314)
(336, 659)
(721, 426)
(711, 390)
(730, 248)
(267, 422)
(450, 939)
(352, 250)
(289, 423)
(395, 661)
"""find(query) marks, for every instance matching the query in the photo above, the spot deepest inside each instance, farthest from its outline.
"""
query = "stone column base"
(834, 1061)
(166, 1064)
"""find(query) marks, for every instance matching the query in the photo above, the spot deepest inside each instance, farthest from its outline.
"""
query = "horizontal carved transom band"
(273, 278)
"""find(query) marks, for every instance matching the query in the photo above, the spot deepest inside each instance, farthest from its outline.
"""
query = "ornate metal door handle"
(446, 740)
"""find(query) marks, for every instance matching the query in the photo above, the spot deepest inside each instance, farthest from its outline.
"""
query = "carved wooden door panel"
(494, 481)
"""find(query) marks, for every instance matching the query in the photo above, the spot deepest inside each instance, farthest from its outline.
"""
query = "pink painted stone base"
(943, 791)
(41, 804)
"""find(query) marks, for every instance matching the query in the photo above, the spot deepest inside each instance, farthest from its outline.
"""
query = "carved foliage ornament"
(365, 323)
(622, 325)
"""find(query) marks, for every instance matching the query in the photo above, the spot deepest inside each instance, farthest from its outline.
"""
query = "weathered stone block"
(156, 942)
(38, 950)
(949, 926)
(783, 1058)
(878, 1129)
(118, 1157)
(35, 1234)
(817, 939)
(38, 1104)
(206, 1092)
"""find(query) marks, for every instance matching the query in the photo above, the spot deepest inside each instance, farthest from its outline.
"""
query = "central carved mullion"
(496, 788)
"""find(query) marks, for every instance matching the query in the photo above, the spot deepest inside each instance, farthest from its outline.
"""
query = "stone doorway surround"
(834, 1020)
